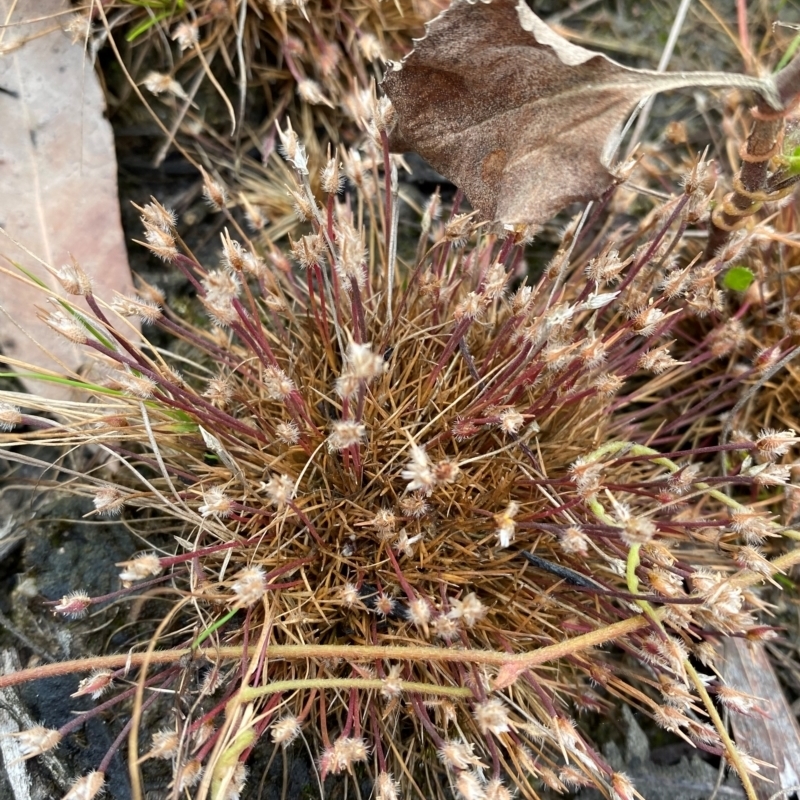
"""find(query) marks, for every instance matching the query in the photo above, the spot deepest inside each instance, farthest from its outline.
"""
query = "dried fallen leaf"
(772, 737)
(58, 173)
(522, 120)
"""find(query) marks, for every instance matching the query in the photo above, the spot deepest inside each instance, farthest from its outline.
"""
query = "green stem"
(633, 587)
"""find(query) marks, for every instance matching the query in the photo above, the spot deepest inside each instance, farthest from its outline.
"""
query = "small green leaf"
(785, 582)
(145, 26)
(790, 51)
(738, 279)
(794, 161)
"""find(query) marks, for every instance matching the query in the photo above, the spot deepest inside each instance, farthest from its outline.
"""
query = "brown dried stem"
(763, 144)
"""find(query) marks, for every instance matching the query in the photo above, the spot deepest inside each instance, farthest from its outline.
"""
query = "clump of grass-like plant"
(207, 70)
(418, 495)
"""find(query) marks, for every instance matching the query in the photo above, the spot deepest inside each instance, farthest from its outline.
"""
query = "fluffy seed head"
(96, 685)
(445, 628)
(147, 311)
(494, 282)
(469, 609)
(279, 490)
(658, 360)
(277, 383)
(219, 391)
(311, 92)
(331, 178)
(491, 716)
(471, 307)
(495, 790)
(87, 787)
(161, 242)
(752, 526)
(163, 744)
(750, 558)
(414, 505)
(769, 474)
(469, 786)
(217, 503)
(345, 752)
(682, 480)
(73, 279)
(162, 83)
(188, 775)
(349, 595)
(384, 604)
(10, 416)
(737, 701)
(352, 254)
(622, 787)
(586, 476)
(73, 605)
(393, 683)
(728, 338)
(233, 254)
(155, 215)
(771, 443)
(458, 755)
(309, 250)
(386, 787)
(186, 34)
(637, 530)
(285, 730)
(345, 433)
(363, 363)
(382, 117)
(511, 421)
(457, 229)
(37, 740)
(574, 541)
(419, 612)
(291, 149)
(144, 565)
(605, 268)
(214, 192)
(418, 471)
(646, 321)
(67, 326)
(446, 471)
(669, 718)
(135, 385)
(250, 585)
(288, 432)
(506, 525)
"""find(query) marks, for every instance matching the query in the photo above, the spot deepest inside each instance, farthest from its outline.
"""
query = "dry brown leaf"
(58, 177)
(773, 736)
(522, 120)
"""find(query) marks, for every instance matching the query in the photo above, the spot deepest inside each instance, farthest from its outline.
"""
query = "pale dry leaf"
(10, 747)
(58, 176)
(522, 120)
(772, 736)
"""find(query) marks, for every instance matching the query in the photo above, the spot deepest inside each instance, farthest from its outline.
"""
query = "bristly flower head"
(249, 587)
(35, 741)
(418, 471)
(10, 416)
(73, 605)
(86, 788)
